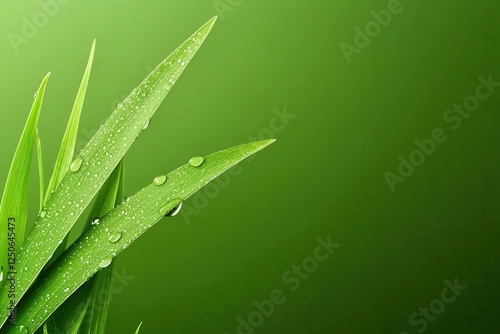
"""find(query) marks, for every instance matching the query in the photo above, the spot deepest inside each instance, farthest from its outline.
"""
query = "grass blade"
(67, 150)
(120, 228)
(40, 167)
(14, 206)
(79, 311)
(96, 162)
(138, 328)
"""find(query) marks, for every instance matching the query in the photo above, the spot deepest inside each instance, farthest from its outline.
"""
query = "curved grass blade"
(67, 150)
(117, 230)
(80, 311)
(41, 176)
(96, 162)
(138, 328)
(14, 206)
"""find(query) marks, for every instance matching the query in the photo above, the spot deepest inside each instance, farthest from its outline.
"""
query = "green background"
(325, 174)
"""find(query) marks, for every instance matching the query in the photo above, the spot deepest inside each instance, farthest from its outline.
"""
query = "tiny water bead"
(196, 161)
(172, 208)
(114, 237)
(43, 214)
(147, 124)
(106, 262)
(95, 221)
(1, 274)
(36, 94)
(76, 165)
(66, 290)
(160, 180)
(142, 93)
(24, 330)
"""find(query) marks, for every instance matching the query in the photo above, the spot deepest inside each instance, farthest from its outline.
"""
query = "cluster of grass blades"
(48, 286)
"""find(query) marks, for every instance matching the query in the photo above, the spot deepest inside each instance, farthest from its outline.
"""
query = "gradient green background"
(325, 174)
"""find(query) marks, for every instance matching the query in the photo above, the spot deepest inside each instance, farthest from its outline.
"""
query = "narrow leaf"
(14, 205)
(67, 150)
(40, 167)
(138, 328)
(96, 162)
(117, 230)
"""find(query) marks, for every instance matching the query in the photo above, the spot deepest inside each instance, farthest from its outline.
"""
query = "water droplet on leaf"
(43, 214)
(196, 161)
(106, 262)
(158, 181)
(95, 221)
(36, 94)
(172, 208)
(147, 124)
(76, 165)
(115, 237)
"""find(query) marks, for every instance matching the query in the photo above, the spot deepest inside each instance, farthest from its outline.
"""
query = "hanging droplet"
(147, 124)
(95, 221)
(172, 208)
(1, 274)
(36, 94)
(196, 161)
(43, 214)
(160, 180)
(76, 165)
(106, 262)
(114, 237)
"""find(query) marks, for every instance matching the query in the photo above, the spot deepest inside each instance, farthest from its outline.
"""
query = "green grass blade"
(41, 176)
(138, 328)
(14, 205)
(117, 230)
(79, 311)
(67, 150)
(96, 162)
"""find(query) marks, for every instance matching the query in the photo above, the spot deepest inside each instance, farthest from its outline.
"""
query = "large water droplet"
(43, 214)
(106, 262)
(142, 93)
(196, 161)
(1, 274)
(95, 221)
(24, 330)
(115, 237)
(158, 181)
(147, 124)
(172, 208)
(76, 165)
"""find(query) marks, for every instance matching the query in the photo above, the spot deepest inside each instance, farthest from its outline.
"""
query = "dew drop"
(95, 221)
(142, 93)
(106, 262)
(76, 165)
(1, 274)
(24, 330)
(115, 237)
(196, 161)
(147, 124)
(36, 94)
(176, 204)
(160, 180)
(66, 290)
(26, 268)
(43, 214)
